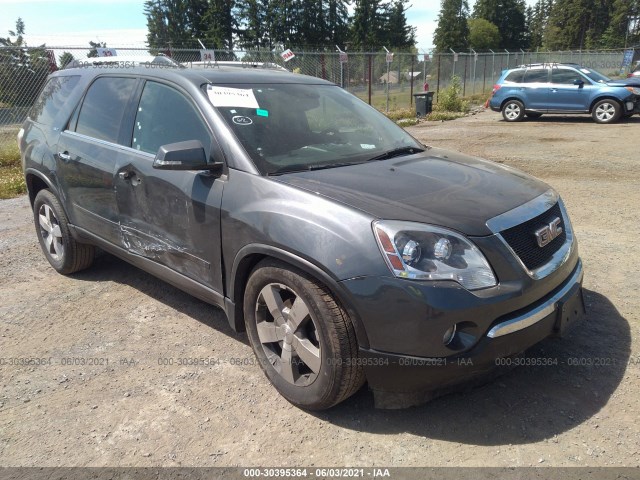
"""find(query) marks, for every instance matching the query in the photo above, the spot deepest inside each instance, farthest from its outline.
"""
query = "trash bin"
(424, 103)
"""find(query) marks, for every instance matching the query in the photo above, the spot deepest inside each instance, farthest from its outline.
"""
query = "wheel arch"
(605, 97)
(509, 98)
(249, 256)
(36, 181)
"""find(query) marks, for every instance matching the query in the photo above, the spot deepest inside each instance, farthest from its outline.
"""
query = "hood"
(436, 187)
(625, 82)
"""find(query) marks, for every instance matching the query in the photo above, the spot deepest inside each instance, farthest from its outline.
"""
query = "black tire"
(513, 111)
(319, 328)
(606, 111)
(533, 115)
(63, 252)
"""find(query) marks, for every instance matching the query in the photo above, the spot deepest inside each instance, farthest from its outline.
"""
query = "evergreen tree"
(367, 22)
(396, 33)
(508, 16)
(452, 30)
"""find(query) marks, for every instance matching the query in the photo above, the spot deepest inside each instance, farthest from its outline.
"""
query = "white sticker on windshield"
(367, 146)
(232, 97)
(584, 70)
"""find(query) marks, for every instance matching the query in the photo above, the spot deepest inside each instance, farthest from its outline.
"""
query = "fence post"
(484, 75)
(464, 81)
(411, 91)
(438, 84)
(370, 55)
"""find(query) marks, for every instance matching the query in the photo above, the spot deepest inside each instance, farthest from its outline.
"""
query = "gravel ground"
(111, 390)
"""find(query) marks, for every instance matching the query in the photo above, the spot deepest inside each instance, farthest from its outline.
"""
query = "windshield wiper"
(308, 168)
(396, 152)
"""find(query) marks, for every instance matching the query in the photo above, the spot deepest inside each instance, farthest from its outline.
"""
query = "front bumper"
(402, 380)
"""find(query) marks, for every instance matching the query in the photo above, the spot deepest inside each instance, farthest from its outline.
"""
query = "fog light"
(449, 334)
(630, 106)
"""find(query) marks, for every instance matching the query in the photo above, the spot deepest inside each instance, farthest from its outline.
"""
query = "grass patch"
(438, 116)
(11, 177)
(401, 114)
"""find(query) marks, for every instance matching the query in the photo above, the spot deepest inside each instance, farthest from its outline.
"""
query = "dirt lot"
(130, 409)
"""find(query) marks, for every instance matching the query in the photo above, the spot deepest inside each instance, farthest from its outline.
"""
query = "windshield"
(594, 75)
(294, 127)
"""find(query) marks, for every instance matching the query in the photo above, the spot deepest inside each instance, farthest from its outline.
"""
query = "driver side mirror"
(189, 155)
(578, 82)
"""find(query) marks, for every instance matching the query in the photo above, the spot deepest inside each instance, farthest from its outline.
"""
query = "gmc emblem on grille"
(547, 233)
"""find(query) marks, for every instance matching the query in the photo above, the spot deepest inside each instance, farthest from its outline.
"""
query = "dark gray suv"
(349, 251)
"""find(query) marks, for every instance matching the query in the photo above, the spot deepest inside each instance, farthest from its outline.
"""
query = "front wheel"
(513, 111)
(302, 338)
(606, 111)
(63, 252)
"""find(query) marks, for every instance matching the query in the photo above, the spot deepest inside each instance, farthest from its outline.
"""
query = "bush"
(11, 177)
(450, 100)
(442, 116)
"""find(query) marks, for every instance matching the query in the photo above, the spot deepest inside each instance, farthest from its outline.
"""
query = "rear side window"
(515, 76)
(536, 76)
(52, 98)
(103, 108)
(166, 116)
(565, 77)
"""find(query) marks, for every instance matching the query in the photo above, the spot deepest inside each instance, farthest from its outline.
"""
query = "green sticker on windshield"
(262, 113)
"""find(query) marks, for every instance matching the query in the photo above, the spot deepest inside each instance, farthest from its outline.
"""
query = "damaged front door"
(170, 217)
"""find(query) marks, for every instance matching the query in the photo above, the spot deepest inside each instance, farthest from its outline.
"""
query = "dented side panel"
(171, 217)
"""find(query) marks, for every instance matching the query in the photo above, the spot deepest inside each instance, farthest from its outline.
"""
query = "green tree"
(483, 35)
(452, 30)
(177, 23)
(577, 24)
(508, 16)
(366, 24)
(65, 59)
(23, 69)
(622, 30)
(396, 32)
(221, 23)
(94, 48)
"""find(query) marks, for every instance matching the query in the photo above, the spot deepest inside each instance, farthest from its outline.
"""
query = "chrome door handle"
(64, 156)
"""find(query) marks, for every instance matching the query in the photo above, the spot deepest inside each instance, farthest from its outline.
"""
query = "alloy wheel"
(50, 231)
(288, 334)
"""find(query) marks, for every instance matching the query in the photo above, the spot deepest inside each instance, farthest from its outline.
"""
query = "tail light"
(629, 75)
(496, 87)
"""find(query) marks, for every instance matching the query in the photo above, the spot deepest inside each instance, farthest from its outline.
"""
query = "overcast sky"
(122, 22)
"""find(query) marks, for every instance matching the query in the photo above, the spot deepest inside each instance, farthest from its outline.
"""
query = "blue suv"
(532, 90)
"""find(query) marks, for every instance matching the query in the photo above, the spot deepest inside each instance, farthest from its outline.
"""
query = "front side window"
(295, 127)
(166, 116)
(103, 108)
(565, 77)
(52, 98)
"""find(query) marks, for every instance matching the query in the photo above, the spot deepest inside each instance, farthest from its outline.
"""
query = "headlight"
(423, 252)
(634, 90)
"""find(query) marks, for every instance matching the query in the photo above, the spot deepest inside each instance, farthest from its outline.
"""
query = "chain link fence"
(385, 81)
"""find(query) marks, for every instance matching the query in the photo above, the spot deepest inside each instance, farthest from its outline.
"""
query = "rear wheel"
(513, 111)
(606, 111)
(303, 340)
(63, 252)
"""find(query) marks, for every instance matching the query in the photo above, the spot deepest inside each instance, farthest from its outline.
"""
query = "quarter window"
(51, 100)
(103, 108)
(515, 76)
(166, 116)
